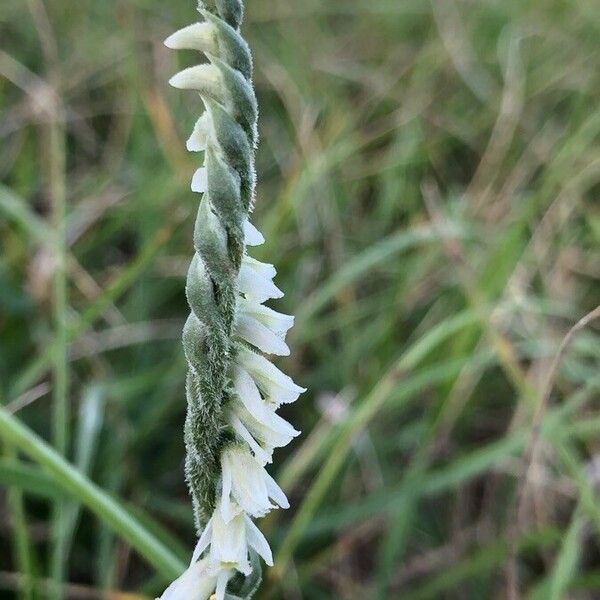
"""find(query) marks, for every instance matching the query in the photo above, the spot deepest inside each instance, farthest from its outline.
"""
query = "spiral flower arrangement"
(233, 390)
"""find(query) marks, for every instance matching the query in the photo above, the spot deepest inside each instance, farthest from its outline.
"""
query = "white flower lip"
(263, 269)
(256, 422)
(275, 385)
(249, 396)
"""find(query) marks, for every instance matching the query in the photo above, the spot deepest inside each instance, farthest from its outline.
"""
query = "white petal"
(197, 141)
(203, 542)
(257, 334)
(246, 389)
(253, 236)
(256, 285)
(276, 492)
(199, 36)
(199, 180)
(228, 509)
(277, 386)
(264, 269)
(258, 541)
(193, 584)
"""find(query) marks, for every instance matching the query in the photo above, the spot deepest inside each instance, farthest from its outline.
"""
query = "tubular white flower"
(256, 333)
(277, 322)
(263, 327)
(247, 486)
(201, 78)
(256, 280)
(227, 542)
(198, 36)
(255, 421)
(274, 384)
(263, 436)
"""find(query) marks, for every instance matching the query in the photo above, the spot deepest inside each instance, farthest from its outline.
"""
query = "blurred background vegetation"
(427, 181)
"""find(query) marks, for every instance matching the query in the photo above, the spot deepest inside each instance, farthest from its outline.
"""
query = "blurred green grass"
(428, 182)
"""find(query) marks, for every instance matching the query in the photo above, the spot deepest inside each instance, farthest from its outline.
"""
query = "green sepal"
(196, 342)
(223, 185)
(234, 143)
(231, 11)
(233, 49)
(203, 426)
(199, 290)
(210, 241)
(241, 99)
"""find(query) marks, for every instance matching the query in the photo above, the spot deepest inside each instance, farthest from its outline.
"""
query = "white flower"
(255, 421)
(228, 548)
(277, 322)
(276, 386)
(256, 280)
(205, 78)
(262, 327)
(246, 485)
(198, 36)
(253, 331)
(228, 545)
(193, 584)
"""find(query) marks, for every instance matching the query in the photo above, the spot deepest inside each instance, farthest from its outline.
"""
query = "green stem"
(22, 539)
(84, 490)
(60, 407)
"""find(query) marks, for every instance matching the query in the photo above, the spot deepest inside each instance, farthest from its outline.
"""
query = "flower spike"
(233, 390)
